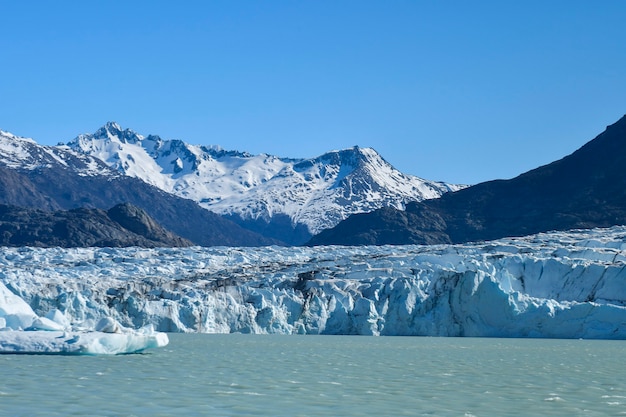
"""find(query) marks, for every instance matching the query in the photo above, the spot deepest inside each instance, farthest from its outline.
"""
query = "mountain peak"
(353, 157)
(300, 195)
(112, 131)
(113, 126)
(582, 190)
(11, 136)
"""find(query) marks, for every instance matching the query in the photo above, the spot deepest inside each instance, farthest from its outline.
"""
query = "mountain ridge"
(57, 178)
(582, 190)
(297, 196)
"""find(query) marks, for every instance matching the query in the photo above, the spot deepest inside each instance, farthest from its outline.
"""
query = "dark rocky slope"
(53, 186)
(583, 190)
(120, 226)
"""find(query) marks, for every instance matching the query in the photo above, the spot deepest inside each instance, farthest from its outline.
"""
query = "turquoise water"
(253, 375)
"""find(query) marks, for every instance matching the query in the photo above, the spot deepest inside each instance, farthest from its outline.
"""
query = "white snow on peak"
(14, 149)
(9, 135)
(565, 285)
(24, 153)
(317, 192)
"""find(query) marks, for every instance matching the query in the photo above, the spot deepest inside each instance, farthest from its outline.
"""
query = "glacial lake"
(257, 375)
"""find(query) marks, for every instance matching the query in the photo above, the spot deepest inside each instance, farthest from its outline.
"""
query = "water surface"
(255, 375)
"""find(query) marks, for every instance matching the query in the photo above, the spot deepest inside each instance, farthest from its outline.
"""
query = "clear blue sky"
(459, 91)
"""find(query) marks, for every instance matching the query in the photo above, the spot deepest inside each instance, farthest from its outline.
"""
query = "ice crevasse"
(565, 285)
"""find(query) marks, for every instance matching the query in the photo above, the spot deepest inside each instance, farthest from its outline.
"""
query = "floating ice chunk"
(116, 343)
(79, 343)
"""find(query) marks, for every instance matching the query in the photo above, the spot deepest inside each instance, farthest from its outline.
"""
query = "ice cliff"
(22, 331)
(567, 285)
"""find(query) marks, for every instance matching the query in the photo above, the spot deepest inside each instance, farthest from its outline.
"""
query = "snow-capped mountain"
(24, 153)
(49, 178)
(317, 193)
(582, 190)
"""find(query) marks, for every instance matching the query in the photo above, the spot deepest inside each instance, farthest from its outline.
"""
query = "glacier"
(552, 285)
(23, 331)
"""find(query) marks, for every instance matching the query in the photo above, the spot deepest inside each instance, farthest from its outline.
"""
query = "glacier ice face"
(22, 331)
(566, 285)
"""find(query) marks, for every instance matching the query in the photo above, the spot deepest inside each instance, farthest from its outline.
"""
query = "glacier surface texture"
(23, 331)
(564, 285)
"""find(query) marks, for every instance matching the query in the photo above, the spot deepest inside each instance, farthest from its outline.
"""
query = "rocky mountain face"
(287, 199)
(121, 226)
(583, 190)
(57, 178)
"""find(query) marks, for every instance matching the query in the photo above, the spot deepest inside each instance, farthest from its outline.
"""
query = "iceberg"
(22, 331)
(557, 285)
(78, 343)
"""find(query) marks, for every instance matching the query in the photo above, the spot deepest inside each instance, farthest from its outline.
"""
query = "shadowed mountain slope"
(56, 178)
(121, 226)
(583, 190)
